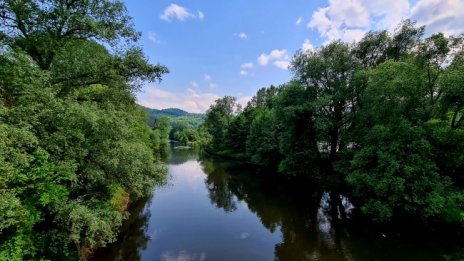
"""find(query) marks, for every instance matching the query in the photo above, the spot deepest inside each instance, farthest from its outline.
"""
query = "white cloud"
(338, 19)
(244, 67)
(241, 35)
(201, 16)
(299, 21)
(277, 54)
(244, 235)
(212, 85)
(307, 46)
(244, 100)
(153, 37)
(208, 77)
(440, 15)
(180, 13)
(280, 58)
(189, 100)
(384, 14)
(194, 84)
(247, 65)
(282, 64)
(264, 58)
(349, 20)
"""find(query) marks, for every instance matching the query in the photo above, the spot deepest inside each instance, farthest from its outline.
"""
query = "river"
(214, 209)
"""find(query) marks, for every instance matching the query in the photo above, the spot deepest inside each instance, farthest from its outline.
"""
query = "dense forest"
(382, 117)
(75, 148)
(181, 126)
(178, 126)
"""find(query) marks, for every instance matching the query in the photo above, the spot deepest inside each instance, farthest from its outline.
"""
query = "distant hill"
(170, 112)
(173, 113)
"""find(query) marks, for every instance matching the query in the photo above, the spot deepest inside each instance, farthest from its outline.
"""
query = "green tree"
(262, 141)
(41, 28)
(74, 146)
(394, 170)
(218, 118)
(295, 113)
(394, 173)
(327, 75)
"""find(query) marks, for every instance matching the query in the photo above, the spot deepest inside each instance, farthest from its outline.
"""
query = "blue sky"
(217, 48)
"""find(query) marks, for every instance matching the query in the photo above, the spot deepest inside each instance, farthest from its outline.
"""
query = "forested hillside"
(75, 148)
(383, 116)
(193, 119)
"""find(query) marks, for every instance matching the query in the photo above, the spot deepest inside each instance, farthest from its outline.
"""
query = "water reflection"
(183, 256)
(217, 183)
(179, 155)
(314, 224)
(133, 238)
(307, 219)
(221, 210)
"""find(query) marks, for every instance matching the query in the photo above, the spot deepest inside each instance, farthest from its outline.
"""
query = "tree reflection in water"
(313, 223)
(309, 220)
(133, 238)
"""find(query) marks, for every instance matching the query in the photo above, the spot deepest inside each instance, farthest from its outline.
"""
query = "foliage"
(74, 146)
(396, 169)
(261, 140)
(384, 116)
(219, 117)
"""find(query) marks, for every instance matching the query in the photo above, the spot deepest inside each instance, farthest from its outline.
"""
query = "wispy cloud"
(245, 68)
(350, 20)
(200, 15)
(244, 100)
(153, 38)
(180, 13)
(189, 100)
(208, 77)
(241, 35)
(282, 64)
(276, 54)
(247, 65)
(440, 15)
(299, 21)
(307, 46)
(279, 58)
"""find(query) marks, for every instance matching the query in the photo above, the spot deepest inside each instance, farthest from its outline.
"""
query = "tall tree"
(327, 74)
(218, 118)
(42, 27)
(294, 114)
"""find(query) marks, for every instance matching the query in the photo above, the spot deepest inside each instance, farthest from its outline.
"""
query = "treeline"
(187, 130)
(384, 116)
(75, 149)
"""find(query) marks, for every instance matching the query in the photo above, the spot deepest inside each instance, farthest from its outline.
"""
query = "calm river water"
(213, 209)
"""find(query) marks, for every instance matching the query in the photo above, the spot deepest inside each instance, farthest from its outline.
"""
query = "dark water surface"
(218, 210)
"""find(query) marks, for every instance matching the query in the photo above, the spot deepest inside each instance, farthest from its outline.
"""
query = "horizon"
(255, 41)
